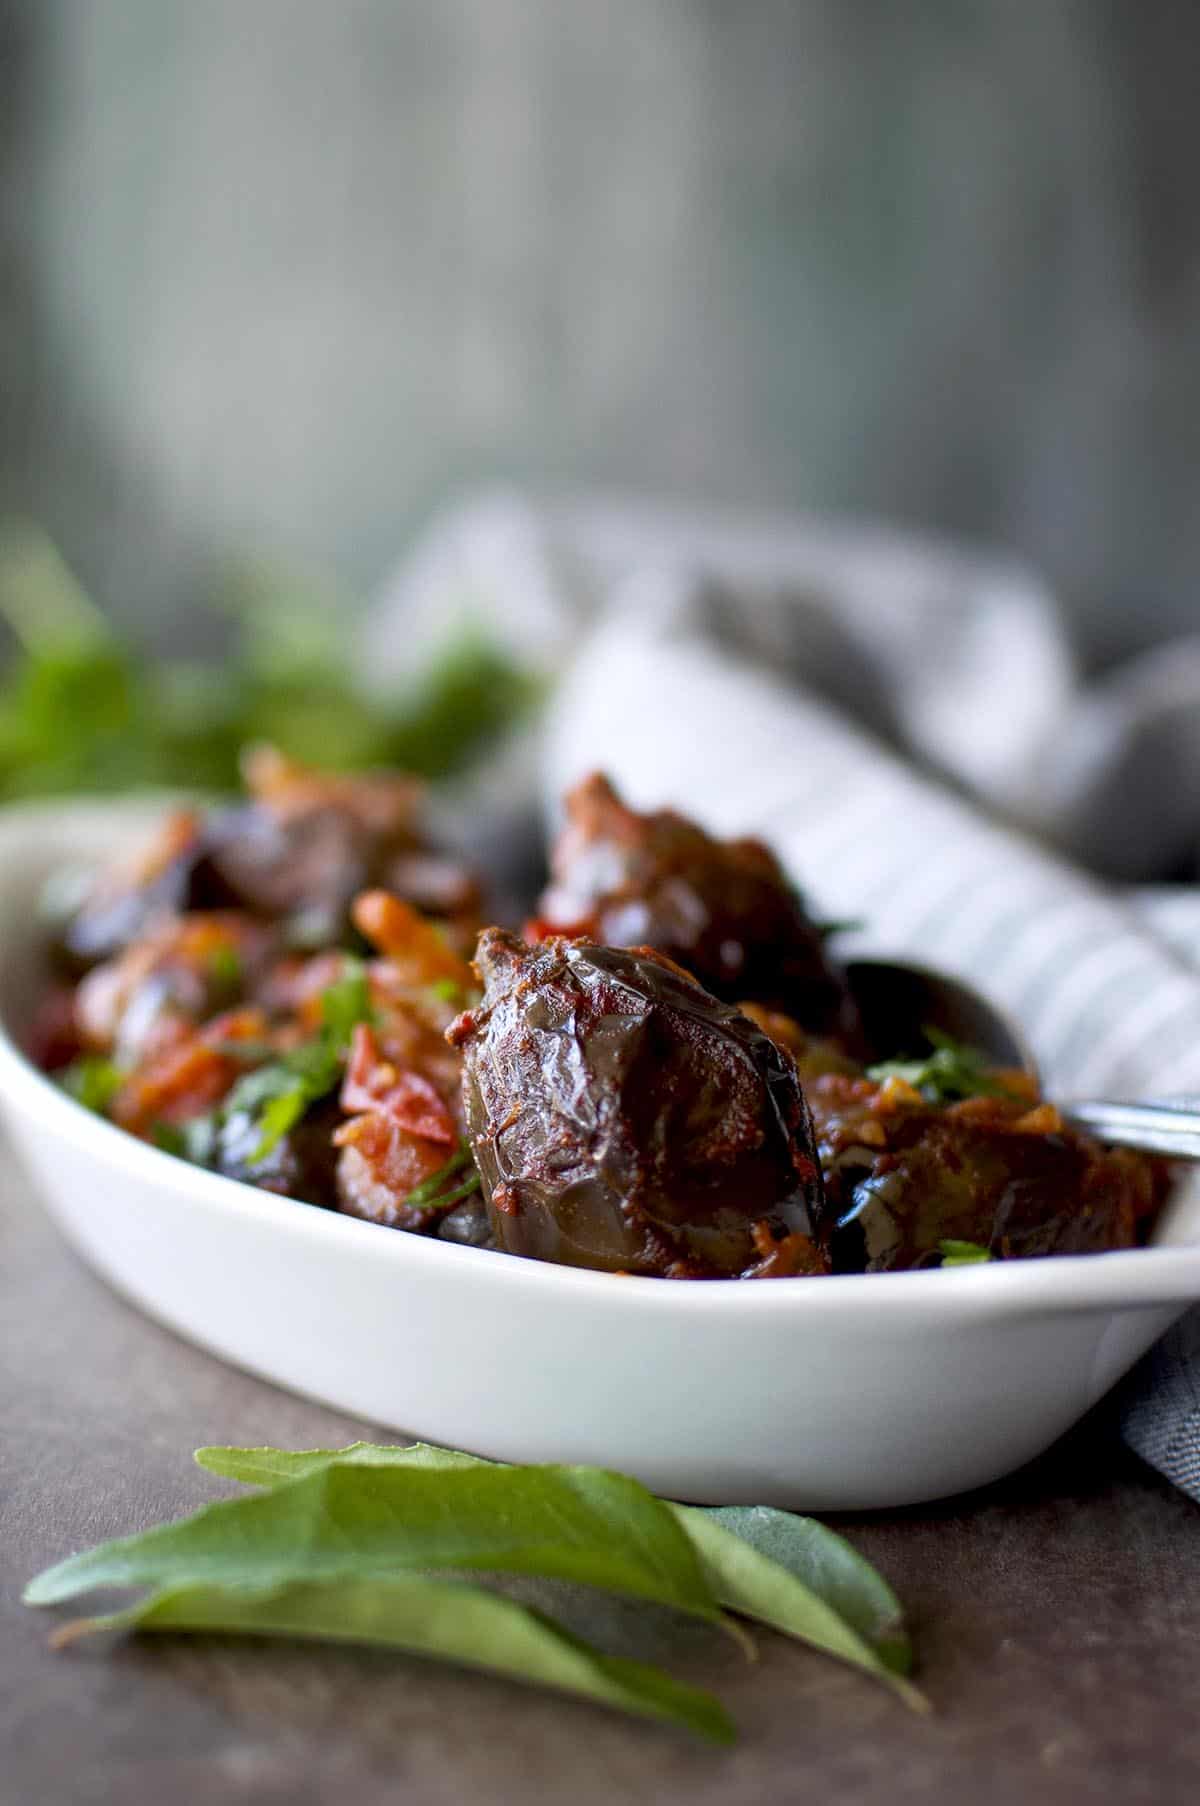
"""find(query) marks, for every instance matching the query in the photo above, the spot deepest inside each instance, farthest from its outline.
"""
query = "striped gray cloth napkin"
(689, 659)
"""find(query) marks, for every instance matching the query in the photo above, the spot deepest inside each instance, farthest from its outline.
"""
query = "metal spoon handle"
(1156, 1128)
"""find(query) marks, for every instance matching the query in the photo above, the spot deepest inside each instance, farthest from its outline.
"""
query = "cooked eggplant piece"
(623, 1118)
(903, 1178)
(1014, 1194)
(310, 841)
(301, 873)
(665, 1078)
(467, 1225)
(301, 1164)
(296, 855)
(179, 973)
(97, 922)
(723, 909)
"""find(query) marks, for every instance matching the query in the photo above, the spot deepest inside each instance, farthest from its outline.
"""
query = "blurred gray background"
(286, 275)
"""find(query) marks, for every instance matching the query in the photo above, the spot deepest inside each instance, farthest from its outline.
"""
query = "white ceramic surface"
(843, 1393)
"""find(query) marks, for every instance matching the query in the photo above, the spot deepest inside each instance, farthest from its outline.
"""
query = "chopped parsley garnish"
(276, 1095)
(346, 1003)
(281, 1113)
(963, 1254)
(83, 708)
(93, 1081)
(187, 1140)
(170, 1138)
(246, 1049)
(845, 925)
(225, 968)
(448, 990)
(429, 1194)
(950, 1072)
(280, 1093)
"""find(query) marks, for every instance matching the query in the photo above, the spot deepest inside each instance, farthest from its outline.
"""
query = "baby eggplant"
(724, 909)
(296, 855)
(622, 1118)
(946, 1178)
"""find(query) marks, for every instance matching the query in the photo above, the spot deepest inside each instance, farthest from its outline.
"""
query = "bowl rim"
(1124, 1279)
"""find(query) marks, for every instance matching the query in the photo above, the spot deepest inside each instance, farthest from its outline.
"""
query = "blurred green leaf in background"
(83, 710)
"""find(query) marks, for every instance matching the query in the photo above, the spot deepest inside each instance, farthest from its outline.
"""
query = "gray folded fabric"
(1161, 1420)
(842, 693)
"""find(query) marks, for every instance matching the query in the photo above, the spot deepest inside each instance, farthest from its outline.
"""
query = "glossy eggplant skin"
(723, 909)
(302, 1164)
(624, 1119)
(301, 872)
(1016, 1195)
(899, 1182)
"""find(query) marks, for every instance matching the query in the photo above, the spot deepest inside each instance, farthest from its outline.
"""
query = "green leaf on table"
(786, 1571)
(581, 1524)
(449, 1620)
(270, 1467)
(329, 1548)
(759, 1587)
(825, 1563)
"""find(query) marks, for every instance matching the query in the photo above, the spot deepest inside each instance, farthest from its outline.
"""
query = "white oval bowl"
(843, 1393)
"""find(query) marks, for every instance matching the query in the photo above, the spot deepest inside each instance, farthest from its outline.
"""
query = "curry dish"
(661, 1073)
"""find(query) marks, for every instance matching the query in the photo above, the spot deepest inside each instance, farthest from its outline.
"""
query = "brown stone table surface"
(1057, 1618)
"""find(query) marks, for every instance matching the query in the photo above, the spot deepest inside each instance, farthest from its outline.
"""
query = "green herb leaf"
(170, 1139)
(346, 1522)
(284, 1090)
(950, 1072)
(40, 598)
(448, 990)
(255, 1089)
(748, 1580)
(338, 1527)
(346, 1003)
(842, 925)
(963, 1254)
(278, 1094)
(465, 697)
(445, 1619)
(193, 1140)
(92, 1081)
(275, 1097)
(270, 1467)
(823, 1562)
(225, 968)
(785, 1571)
(429, 1195)
(279, 1116)
(245, 1048)
(456, 1194)
(81, 710)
